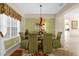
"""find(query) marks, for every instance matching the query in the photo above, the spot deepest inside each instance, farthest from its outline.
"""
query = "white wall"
(22, 25)
(70, 43)
(73, 41)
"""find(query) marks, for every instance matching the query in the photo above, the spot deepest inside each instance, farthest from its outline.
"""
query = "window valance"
(4, 8)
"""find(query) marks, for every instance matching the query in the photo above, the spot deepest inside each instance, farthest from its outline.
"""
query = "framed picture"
(74, 24)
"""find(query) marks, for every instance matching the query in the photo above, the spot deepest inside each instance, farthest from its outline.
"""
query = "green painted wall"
(30, 24)
(9, 43)
(50, 25)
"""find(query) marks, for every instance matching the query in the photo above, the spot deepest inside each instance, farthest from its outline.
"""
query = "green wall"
(9, 43)
(50, 25)
(30, 24)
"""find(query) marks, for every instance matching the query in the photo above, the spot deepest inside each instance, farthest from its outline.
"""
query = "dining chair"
(33, 44)
(56, 42)
(23, 42)
(47, 43)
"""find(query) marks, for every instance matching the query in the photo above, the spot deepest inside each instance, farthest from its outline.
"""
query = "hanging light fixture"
(41, 25)
(41, 22)
(40, 15)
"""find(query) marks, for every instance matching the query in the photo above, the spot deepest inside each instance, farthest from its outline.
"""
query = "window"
(9, 26)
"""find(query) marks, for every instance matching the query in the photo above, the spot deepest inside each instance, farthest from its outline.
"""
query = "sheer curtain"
(9, 26)
(3, 23)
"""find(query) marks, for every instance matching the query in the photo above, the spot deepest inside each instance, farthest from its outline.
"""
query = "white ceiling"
(34, 8)
(72, 13)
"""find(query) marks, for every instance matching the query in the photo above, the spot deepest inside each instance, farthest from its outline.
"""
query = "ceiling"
(34, 8)
(74, 12)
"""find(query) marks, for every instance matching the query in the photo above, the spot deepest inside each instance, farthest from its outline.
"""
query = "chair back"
(33, 44)
(59, 35)
(47, 43)
(21, 36)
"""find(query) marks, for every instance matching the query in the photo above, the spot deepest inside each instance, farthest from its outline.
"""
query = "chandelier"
(41, 23)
